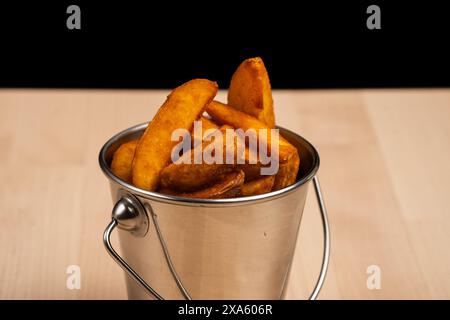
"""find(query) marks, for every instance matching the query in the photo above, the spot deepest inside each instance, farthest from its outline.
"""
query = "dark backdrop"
(131, 44)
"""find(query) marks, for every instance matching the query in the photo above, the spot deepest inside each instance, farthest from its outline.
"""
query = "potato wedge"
(252, 171)
(227, 187)
(122, 159)
(186, 176)
(192, 177)
(207, 124)
(287, 173)
(259, 186)
(250, 91)
(183, 106)
(224, 114)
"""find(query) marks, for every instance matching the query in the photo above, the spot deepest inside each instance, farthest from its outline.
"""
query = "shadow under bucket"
(182, 248)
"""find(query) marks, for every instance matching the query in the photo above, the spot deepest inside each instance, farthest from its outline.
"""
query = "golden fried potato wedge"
(224, 114)
(251, 171)
(122, 159)
(250, 91)
(186, 175)
(192, 177)
(183, 106)
(228, 187)
(259, 186)
(287, 173)
(207, 124)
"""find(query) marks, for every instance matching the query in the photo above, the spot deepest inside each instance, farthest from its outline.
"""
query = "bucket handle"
(326, 239)
(129, 214)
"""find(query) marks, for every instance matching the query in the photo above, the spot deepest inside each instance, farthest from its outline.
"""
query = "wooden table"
(385, 157)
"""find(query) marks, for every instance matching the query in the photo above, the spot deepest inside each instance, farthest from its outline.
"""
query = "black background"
(281, 309)
(131, 44)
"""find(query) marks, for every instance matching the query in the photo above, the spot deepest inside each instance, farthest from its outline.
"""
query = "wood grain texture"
(385, 174)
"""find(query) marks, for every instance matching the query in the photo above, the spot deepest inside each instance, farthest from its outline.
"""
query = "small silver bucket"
(180, 248)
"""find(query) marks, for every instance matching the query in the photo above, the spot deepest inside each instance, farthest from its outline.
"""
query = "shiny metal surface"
(121, 262)
(326, 240)
(167, 256)
(130, 215)
(221, 249)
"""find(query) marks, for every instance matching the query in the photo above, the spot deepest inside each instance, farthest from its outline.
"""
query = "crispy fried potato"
(224, 114)
(186, 175)
(122, 159)
(287, 173)
(250, 91)
(252, 171)
(183, 106)
(229, 186)
(259, 186)
(192, 177)
(207, 124)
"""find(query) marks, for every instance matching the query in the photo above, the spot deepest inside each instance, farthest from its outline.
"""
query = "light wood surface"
(385, 157)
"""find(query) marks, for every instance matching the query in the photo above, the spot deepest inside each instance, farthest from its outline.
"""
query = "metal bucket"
(180, 248)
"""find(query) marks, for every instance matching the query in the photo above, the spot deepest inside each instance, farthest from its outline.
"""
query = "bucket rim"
(160, 197)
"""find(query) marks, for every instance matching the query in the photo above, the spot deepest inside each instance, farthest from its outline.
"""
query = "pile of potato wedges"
(147, 163)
